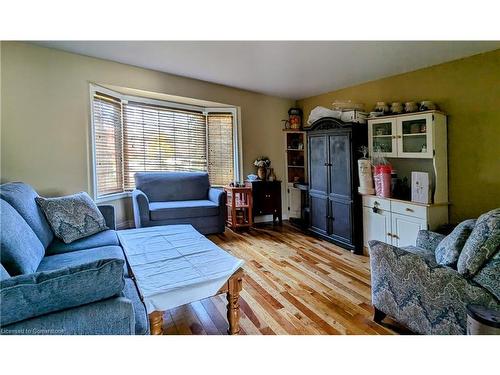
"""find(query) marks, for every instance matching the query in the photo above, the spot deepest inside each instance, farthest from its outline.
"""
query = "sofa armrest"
(418, 292)
(28, 296)
(217, 196)
(112, 316)
(140, 203)
(428, 240)
(108, 211)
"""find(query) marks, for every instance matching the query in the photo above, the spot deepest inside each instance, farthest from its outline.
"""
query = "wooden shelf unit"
(295, 146)
(239, 204)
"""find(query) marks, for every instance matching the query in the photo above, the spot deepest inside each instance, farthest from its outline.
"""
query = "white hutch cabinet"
(408, 135)
(397, 222)
(420, 136)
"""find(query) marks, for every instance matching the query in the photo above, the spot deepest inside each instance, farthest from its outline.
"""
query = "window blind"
(162, 139)
(220, 148)
(107, 144)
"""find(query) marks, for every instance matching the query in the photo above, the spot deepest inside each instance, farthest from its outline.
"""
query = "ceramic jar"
(397, 108)
(427, 105)
(382, 107)
(411, 107)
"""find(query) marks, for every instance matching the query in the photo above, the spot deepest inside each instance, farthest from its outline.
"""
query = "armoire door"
(341, 221)
(340, 167)
(340, 192)
(318, 183)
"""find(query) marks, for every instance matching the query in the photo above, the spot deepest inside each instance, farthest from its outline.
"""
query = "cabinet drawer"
(373, 201)
(409, 209)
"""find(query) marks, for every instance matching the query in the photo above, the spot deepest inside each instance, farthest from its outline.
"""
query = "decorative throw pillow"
(449, 249)
(489, 275)
(481, 245)
(73, 216)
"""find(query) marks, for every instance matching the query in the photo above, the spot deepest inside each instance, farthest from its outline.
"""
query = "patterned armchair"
(428, 286)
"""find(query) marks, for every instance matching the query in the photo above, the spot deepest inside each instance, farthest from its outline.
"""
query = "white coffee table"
(174, 265)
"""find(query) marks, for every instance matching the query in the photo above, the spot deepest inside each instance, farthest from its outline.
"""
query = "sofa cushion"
(173, 186)
(111, 316)
(21, 196)
(489, 276)
(482, 244)
(73, 216)
(27, 296)
(104, 238)
(75, 258)
(20, 249)
(141, 316)
(182, 209)
(3, 273)
(449, 249)
(421, 251)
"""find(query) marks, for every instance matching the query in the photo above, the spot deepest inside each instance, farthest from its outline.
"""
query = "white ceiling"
(290, 69)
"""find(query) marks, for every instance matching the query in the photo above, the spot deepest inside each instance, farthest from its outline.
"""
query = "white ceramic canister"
(365, 177)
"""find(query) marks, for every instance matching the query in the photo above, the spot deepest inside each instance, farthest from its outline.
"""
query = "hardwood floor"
(294, 284)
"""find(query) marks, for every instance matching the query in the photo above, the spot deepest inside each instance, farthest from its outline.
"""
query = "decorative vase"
(261, 173)
(365, 177)
(272, 175)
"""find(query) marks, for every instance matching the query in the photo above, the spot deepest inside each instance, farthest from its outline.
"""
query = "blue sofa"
(96, 306)
(163, 198)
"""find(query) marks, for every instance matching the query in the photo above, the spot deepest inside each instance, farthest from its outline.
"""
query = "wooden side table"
(239, 207)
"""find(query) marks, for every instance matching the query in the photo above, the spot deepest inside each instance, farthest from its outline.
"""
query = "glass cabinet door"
(415, 136)
(382, 137)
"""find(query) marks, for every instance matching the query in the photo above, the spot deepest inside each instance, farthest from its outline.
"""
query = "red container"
(382, 178)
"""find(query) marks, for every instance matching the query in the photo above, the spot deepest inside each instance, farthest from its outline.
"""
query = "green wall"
(468, 90)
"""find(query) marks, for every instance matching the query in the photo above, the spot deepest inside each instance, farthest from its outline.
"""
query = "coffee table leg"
(156, 322)
(233, 305)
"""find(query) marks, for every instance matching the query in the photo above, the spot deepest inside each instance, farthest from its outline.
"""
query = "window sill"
(112, 197)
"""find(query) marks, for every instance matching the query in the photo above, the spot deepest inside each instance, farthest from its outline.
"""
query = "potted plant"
(262, 163)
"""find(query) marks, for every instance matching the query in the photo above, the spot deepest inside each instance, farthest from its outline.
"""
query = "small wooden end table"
(239, 203)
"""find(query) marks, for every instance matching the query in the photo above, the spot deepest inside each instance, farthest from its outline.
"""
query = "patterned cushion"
(489, 276)
(481, 245)
(420, 251)
(72, 217)
(428, 240)
(449, 249)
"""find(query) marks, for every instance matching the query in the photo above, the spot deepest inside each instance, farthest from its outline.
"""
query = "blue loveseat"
(103, 298)
(163, 198)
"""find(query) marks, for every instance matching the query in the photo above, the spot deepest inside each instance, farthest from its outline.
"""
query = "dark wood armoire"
(334, 203)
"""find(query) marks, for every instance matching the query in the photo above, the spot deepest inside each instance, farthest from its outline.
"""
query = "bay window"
(134, 134)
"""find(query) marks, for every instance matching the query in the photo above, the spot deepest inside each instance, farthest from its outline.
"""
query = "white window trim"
(237, 140)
